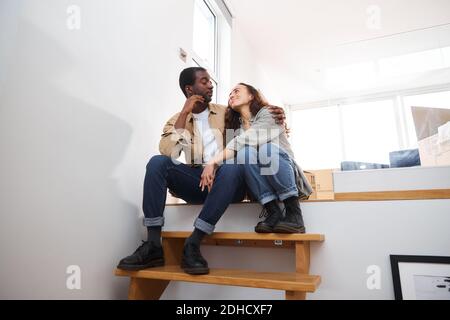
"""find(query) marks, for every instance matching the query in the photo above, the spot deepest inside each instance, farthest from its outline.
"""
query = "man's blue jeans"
(269, 172)
(182, 180)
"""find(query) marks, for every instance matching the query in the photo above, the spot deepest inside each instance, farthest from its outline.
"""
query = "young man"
(196, 131)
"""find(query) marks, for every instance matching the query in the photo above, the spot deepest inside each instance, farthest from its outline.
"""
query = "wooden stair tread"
(233, 277)
(248, 236)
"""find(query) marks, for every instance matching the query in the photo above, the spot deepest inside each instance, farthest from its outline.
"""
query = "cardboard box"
(444, 134)
(310, 176)
(322, 183)
(428, 151)
(432, 130)
(430, 154)
(428, 120)
(312, 181)
(443, 159)
(323, 180)
(433, 153)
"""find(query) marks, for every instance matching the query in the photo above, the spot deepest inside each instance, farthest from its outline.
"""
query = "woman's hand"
(208, 175)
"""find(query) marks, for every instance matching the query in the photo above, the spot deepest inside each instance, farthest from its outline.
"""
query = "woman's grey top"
(264, 130)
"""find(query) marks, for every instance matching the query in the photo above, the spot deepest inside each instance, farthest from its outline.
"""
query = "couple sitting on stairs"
(229, 150)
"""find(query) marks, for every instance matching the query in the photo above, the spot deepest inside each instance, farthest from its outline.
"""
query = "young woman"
(270, 170)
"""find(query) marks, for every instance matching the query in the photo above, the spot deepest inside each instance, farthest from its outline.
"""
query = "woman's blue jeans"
(269, 172)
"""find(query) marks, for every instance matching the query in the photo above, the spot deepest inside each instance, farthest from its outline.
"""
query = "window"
(429, 100)
(369, 131)
(214, 97)
(205, 26)
(212, 44)
(366, 131)
(316, 138)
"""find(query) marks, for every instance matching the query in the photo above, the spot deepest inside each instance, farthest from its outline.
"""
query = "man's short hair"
(187, 77)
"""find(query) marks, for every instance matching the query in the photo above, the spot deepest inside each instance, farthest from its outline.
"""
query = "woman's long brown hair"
(232, 117)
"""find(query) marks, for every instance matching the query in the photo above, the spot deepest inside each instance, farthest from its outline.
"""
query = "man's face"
(203, 86)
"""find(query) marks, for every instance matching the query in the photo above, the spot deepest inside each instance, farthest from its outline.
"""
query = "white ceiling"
(293, 41)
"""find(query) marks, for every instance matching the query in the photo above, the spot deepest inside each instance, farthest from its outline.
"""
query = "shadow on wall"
(60, 204)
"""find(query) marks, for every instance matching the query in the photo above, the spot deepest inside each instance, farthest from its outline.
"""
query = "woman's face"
(239, 97)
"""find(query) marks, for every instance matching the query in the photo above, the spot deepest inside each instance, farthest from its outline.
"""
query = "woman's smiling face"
(239, 96)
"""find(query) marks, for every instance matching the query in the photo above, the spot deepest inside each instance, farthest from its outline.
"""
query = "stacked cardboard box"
(322, 183)
(432, 153)
(433, 135)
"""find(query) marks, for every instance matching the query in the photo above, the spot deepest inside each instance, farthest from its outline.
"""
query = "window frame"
(222, 15)
(211, 69)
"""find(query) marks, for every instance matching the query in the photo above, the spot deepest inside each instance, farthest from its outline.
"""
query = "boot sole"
(195, 271)
(288, 229)
(153, 264)
(260, 229)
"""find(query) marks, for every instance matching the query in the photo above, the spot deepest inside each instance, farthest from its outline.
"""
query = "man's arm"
(280, 117)
(278, 114)
(187, 109)
(172, 141)
(175, 137)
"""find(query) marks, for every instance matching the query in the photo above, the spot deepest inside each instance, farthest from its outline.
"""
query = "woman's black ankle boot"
(293, 220)
(273, 214)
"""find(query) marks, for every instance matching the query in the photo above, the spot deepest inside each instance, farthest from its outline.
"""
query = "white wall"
(243, 65)
(246, 68)
(357, 235)
(81, 113)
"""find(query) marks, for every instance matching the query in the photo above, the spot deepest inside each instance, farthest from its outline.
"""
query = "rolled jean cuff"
(291, 192)
(267, 198)
(204, 226)
(154, 222)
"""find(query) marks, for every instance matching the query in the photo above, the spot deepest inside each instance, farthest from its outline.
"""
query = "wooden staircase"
(151, 283)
